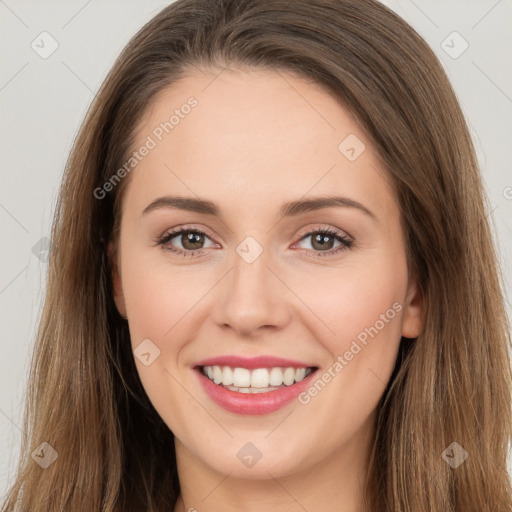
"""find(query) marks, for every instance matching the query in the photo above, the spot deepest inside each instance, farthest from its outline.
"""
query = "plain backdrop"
(44, 97)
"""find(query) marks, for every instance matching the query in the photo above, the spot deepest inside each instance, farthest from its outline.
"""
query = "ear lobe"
(116, 280)
(412, 319)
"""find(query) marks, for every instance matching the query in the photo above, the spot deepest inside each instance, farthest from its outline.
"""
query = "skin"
(257, 139)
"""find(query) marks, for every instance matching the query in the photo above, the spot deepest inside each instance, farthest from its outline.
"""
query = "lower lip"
(253, 403)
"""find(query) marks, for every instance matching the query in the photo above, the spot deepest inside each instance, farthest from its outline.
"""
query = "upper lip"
(253, 362)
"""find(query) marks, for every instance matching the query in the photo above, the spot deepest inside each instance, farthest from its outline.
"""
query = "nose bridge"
(251, 296)
(250, 270)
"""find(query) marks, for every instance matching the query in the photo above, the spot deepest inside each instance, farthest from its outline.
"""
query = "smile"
(259, 380)
(259, 385)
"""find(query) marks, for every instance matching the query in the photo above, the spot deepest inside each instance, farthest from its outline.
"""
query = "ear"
(412, 319)
(116, 280)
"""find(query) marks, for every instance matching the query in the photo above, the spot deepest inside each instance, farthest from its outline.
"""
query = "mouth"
(259, 380)
(254, 388)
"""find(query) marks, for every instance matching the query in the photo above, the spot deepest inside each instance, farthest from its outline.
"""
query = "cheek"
(160, 308)
(338, 303)
(364, 306)
(351, 298)
(158, 295)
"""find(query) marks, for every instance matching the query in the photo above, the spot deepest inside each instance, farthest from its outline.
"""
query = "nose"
(252, 298)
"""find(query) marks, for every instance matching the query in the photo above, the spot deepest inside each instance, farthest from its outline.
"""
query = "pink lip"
(247, 403)
(253, 362)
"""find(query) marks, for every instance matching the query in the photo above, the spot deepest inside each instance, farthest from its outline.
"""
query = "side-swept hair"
(451, 384)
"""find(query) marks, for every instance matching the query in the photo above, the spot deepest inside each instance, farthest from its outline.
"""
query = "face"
(294, 308)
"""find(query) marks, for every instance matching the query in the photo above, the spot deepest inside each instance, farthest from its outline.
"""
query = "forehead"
(256, 110)
(244, 135)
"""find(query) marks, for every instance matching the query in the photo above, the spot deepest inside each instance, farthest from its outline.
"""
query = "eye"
(191, 241)
(322, 241)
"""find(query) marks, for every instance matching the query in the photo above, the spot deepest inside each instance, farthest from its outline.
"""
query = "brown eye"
(323, 242)
(192, 240)
(186, 242)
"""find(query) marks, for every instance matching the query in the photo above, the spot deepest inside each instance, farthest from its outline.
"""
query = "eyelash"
(346, 242)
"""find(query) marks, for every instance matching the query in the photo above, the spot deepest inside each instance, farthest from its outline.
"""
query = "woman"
(272, 281)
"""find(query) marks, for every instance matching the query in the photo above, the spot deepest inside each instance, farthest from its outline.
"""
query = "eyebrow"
(289, 209)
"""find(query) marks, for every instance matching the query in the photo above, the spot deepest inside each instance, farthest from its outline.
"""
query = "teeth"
(300, 373)
(251, 381)
(289, 376)
(227, 376)
(217, 374)
(276, 377)
(241, 377)
(259, 378)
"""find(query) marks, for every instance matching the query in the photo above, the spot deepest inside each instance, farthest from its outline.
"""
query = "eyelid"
(322, 227)
(344, 238)
(303, 232)
(186, 227)
(346, 241)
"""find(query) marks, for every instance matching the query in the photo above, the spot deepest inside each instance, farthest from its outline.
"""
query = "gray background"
(43, 101)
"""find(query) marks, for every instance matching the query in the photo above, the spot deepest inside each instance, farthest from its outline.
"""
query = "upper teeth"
(257, 378)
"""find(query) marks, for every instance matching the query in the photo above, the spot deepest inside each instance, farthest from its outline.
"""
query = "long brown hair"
(451, 384)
